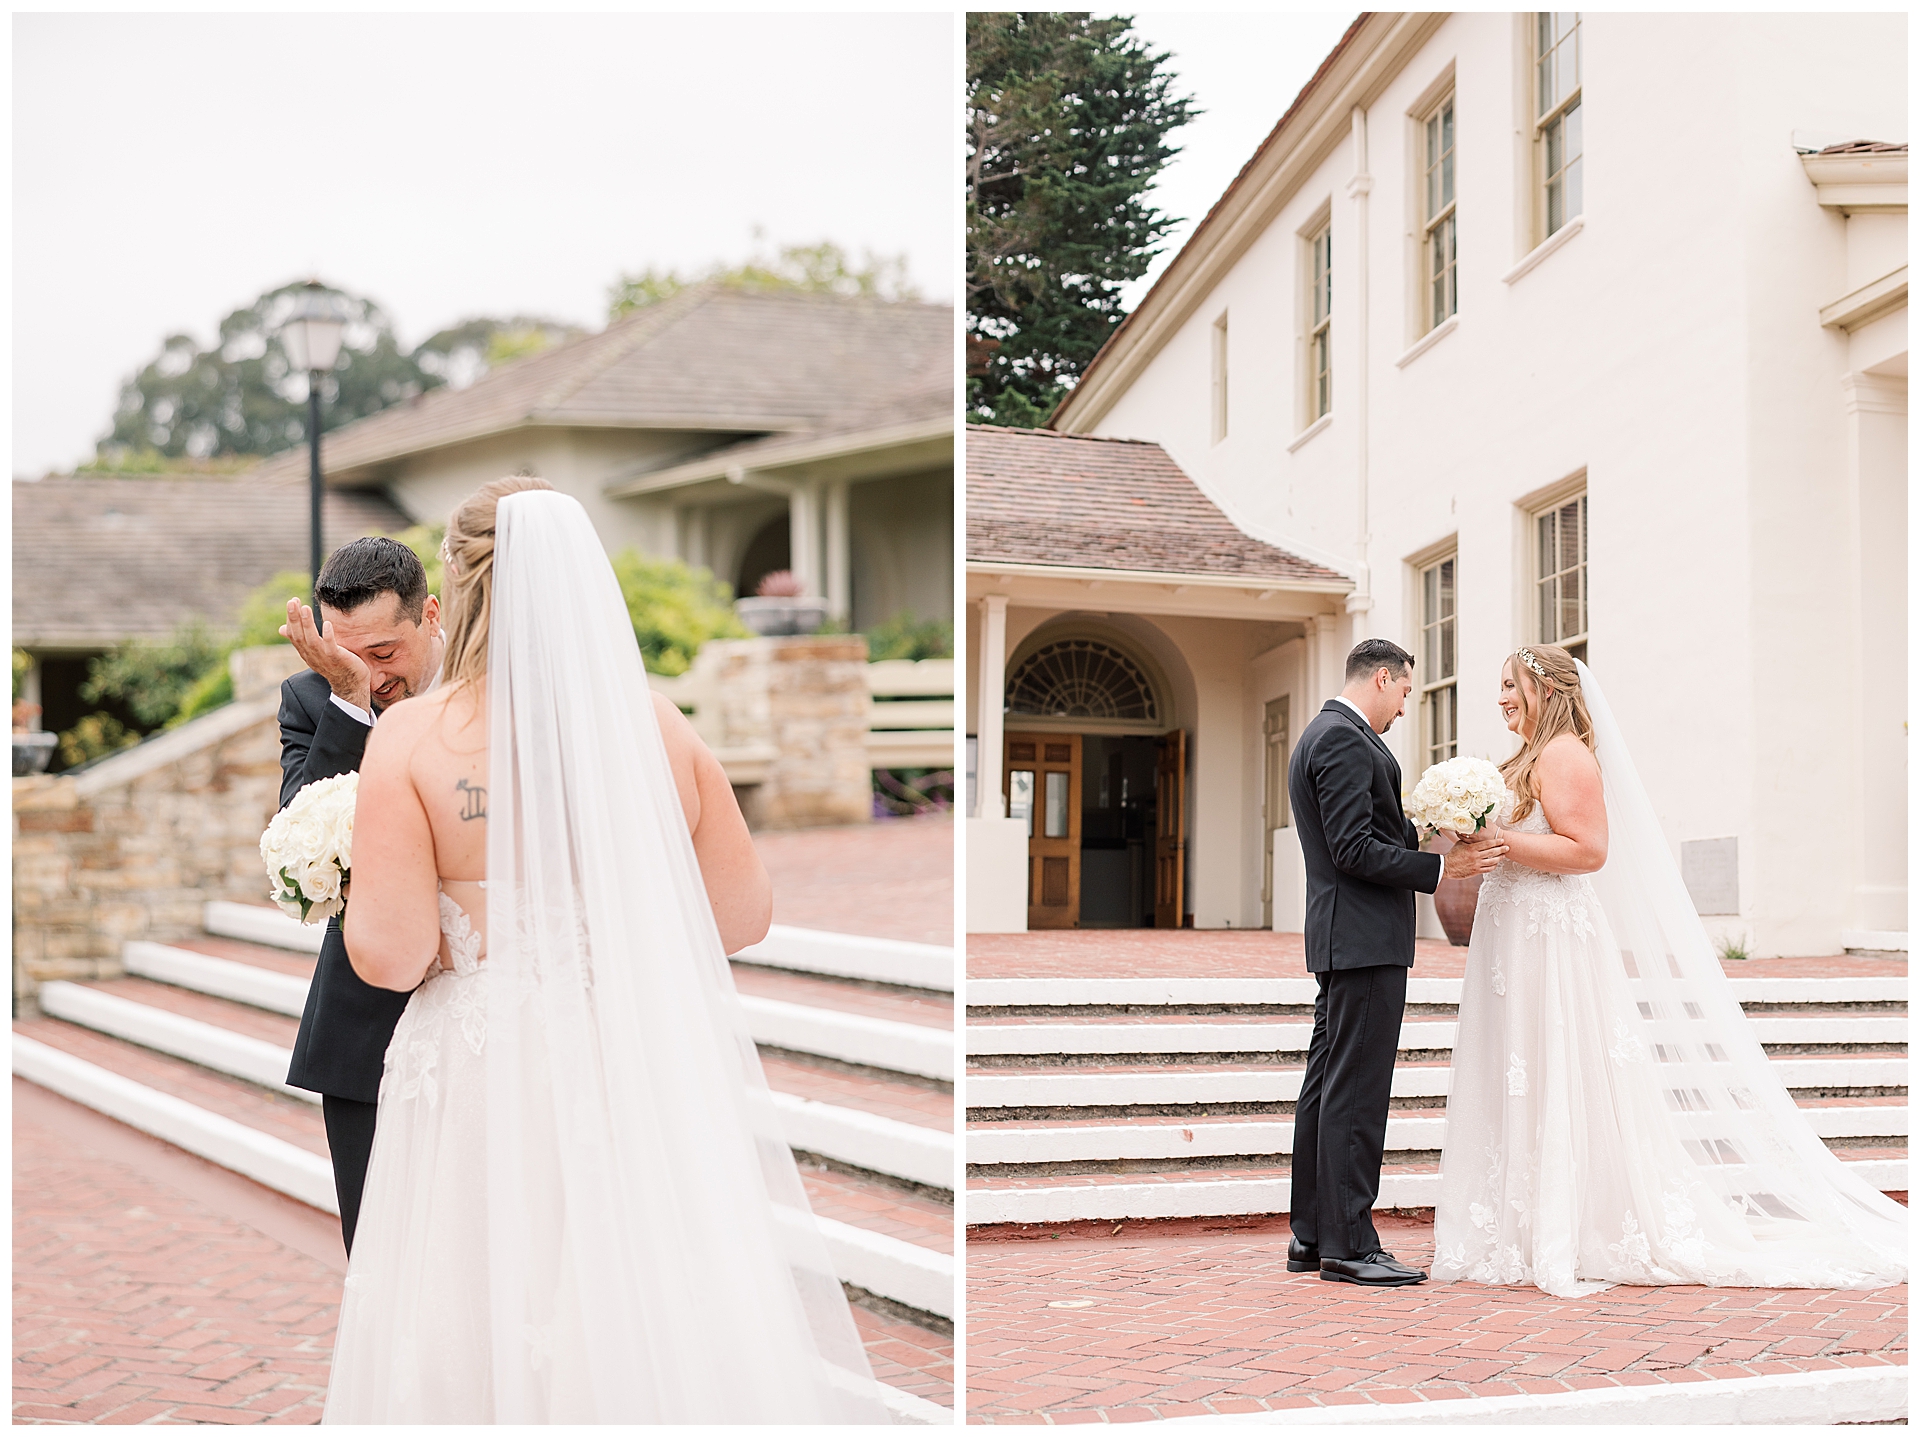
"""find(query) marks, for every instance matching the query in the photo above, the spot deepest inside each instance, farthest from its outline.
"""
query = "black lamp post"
(311, 337)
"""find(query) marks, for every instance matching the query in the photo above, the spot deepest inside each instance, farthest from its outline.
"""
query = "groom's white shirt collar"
(367, 718)
(1343, 699)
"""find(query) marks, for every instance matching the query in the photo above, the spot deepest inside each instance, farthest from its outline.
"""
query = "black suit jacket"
(1362, 855)
(347, 1023)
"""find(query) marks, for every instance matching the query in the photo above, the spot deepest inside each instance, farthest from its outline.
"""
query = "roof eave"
(1272, 583)
(784, 456)
(1368, 56)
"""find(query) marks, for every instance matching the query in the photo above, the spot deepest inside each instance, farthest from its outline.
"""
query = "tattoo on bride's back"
(475, 801)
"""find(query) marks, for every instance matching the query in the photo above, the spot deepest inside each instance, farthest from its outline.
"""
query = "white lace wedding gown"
(415, 1342)
(581, 1205)
(1600, 1129)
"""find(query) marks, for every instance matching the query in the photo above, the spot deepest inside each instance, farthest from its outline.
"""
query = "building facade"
(1629, 377)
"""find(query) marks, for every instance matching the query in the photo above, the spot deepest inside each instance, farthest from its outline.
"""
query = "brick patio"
(150, 1285)
(1197, 1316)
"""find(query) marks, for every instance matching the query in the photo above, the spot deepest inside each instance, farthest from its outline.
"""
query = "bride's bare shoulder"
(1567, 759)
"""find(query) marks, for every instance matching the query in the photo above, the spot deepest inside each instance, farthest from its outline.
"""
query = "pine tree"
(1067, 124)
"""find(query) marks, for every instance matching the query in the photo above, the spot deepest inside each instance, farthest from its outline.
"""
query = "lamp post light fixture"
(311, 337)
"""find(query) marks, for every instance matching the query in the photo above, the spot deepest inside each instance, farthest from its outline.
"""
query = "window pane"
(1446, 178)
(1445, 670)
(1446, 589)
(1556, 206)
(1548, 544)
(1573, 201)
(1549, 595)
(1020, 797)
(1572, 604)
(1567, 67)
(1057, 784)
(1571, 549)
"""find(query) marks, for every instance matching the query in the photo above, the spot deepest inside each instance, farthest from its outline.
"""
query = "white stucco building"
(1490, 364)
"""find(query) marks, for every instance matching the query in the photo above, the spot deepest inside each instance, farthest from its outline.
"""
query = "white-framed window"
(1219, 379)
(1320, 335)
(1560, 574)
(1439, 662)
(1437, 212)
(1556, 117)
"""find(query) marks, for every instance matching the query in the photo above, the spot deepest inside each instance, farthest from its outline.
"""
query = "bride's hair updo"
(1556, 706)
(467, 556)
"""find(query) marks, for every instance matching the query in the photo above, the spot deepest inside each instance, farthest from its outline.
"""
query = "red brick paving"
(1200, 1316)
(152, 1286)
(920, 1006)
(892, 878)
(926, 1105)
(879, 1206)
(1247, 953)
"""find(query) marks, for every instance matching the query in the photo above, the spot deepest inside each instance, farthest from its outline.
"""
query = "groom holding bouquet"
(1363, 867)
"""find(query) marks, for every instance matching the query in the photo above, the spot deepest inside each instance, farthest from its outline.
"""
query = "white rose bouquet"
(308, 849)
(1459, 795)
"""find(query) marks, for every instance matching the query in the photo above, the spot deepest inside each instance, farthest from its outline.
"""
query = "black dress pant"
(350, 1140)
(1340, 1122)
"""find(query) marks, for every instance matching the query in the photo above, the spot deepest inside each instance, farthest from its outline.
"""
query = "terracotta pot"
(1455, 899)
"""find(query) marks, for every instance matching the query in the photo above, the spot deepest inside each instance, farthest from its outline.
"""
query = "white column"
(1877, 458)
(1360, 601)
(1329, 670)
(803, 535)
(991, 684)
(839, 589)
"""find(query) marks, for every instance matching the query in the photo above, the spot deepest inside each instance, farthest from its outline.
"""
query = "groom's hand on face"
(1473, 855)
(341, 668)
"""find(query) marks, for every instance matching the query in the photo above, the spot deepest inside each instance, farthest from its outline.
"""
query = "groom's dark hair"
(1371, 654)
(362, 571)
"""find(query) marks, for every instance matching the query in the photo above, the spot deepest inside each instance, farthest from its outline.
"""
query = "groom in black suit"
(380, 644)
(1363, 868)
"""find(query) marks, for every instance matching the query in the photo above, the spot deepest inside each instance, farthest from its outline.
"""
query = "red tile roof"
(1864, 147)
(1037, 497)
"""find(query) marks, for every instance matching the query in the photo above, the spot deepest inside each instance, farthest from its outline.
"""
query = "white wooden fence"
(910, 723)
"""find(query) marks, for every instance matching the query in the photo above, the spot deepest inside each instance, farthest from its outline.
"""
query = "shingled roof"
(710, 358)
(1041, 498)
(98, 561)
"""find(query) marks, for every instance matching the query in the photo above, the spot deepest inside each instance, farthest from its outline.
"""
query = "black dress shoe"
(1376, 1269)
(1300, 1257)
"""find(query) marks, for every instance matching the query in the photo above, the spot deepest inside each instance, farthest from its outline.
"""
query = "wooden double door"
(1043, 786)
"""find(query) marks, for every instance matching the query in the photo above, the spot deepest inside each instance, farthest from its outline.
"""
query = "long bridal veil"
(1812, 1221)
(651, 1254)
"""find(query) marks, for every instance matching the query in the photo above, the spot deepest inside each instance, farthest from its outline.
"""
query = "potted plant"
(780, 607)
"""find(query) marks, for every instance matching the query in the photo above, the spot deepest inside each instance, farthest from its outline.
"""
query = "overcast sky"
(1244, 70)
(169, 169)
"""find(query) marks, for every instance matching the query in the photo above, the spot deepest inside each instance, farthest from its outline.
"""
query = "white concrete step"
(1052, 1088)
(252, 923)
(218, 977)
(803, 950)
(885, 1265)
(848, 955)
(865, 1140)
(1219, 1035)
(852, 1037)
(1170, 1138)
(1157, 992)
(1068, 1201)
(235, 1054)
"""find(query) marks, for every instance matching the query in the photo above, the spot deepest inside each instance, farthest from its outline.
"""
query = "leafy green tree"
(240, 396)
(462, 353)
(1066, 127)
(675, 609)
(823, 268)
(94, 736)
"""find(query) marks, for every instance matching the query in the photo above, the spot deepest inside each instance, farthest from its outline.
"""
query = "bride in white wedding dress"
(1611, 1117)
(579, 1206)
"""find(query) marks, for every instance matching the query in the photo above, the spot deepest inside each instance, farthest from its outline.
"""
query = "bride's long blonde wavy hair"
(1555, 706)
(467, 556)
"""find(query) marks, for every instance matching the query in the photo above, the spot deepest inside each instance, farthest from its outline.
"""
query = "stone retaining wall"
(135, 845)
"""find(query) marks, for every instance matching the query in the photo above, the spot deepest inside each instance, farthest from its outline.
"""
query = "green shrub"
(22, 665)
(95, 736)
(675, 609)
(905, 637)
(264, 610)
(151, 679)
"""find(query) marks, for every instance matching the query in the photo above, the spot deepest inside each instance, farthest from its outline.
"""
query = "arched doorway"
(1099, 777)
(769, 549)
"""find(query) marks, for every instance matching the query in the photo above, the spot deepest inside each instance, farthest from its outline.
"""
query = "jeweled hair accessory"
(446, 558)
(1527, 658)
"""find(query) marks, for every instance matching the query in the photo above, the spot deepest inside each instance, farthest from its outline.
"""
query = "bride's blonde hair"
(1556, 706)
(467, 556)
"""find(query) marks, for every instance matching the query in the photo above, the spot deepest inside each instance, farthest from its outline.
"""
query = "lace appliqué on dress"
(448, 996)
